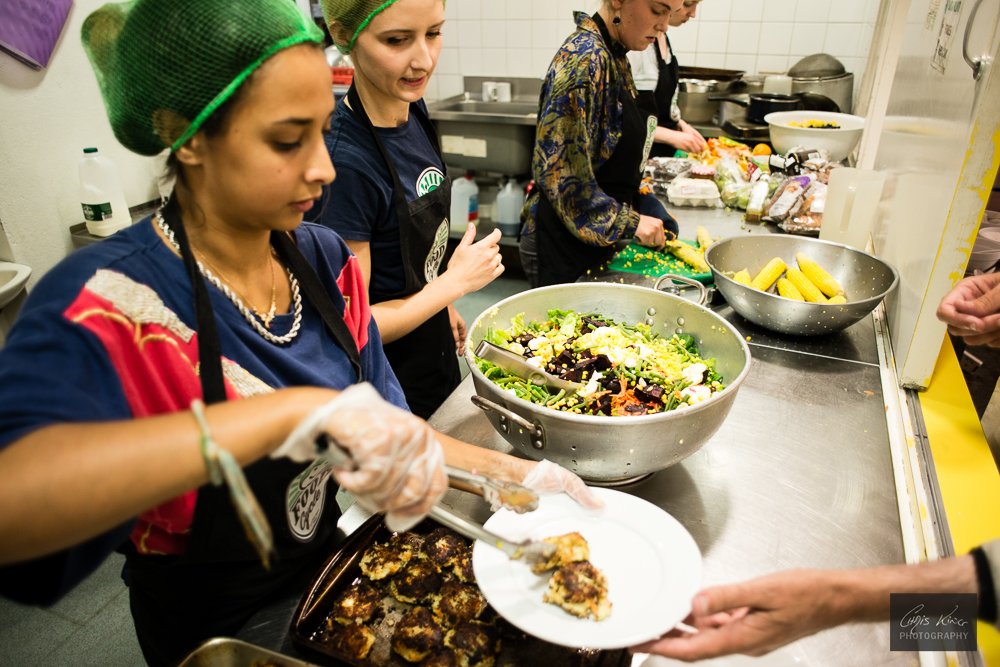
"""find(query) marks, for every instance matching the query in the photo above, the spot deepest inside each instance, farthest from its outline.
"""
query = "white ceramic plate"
(652, 566)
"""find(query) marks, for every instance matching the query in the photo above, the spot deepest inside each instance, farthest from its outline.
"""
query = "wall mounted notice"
(949, 26)
(30, 29)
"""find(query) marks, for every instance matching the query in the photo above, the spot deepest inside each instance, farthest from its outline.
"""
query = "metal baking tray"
(226, 652)
(342, 569)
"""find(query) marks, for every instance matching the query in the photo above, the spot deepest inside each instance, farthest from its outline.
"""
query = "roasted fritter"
(570, 548)
(444, 547)
(418, 580)
(407, 541)
(581, 589)
(458, 602)
(442, 658)
(463, 567)
(351, 640)
(417, 635)
(384, 560)
(475, 643)
(356, 604)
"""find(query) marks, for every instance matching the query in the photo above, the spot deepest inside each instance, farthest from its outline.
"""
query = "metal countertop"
(799, 474)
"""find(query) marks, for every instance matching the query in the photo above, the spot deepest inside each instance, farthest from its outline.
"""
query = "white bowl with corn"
(798, 285)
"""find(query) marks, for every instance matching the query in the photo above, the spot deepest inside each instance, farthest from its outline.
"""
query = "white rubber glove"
(396, 467)
(548, 477)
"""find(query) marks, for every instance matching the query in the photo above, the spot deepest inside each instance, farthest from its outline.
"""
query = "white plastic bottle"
(101, 196)
(510, 199)
(464, 203)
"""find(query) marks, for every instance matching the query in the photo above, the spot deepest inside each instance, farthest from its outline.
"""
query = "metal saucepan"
(695, 97)
(759, 105)
(612, 449)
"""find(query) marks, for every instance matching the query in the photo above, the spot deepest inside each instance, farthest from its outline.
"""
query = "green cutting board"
(648, 262)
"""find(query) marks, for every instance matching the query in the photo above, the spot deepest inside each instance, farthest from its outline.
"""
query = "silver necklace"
(248, 314)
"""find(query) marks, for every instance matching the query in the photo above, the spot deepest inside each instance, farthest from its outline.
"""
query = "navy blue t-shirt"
(358, 204)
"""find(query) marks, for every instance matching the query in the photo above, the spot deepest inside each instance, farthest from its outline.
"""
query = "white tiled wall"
(519, 37)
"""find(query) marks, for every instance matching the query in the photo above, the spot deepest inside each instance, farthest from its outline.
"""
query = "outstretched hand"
(972, 310)
(754, 617)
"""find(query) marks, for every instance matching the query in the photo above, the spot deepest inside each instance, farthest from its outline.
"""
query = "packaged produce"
(807, 215)
(785, 198)
(694, 192)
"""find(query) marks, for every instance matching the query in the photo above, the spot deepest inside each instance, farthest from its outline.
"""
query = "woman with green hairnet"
(223, 297)
(392, 199)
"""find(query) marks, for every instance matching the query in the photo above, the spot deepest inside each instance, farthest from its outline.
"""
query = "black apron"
(424, 360)
(562, 257)
(219, 582)
(668, 75)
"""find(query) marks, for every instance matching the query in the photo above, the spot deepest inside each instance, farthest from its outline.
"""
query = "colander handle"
(674, 278)
(533, 431)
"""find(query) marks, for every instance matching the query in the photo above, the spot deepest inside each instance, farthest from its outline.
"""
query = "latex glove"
(397, 464)
(548, 477)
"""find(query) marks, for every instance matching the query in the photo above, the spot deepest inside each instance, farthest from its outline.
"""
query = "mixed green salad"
(626, 369)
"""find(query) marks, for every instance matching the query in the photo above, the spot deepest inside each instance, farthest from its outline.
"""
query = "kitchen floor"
(92, 625)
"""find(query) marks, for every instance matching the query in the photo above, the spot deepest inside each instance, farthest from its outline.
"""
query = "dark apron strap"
(213, 387)
(318, 296)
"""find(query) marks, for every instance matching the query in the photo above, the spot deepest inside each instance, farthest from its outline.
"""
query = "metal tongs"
(519, 366)
(512, 496)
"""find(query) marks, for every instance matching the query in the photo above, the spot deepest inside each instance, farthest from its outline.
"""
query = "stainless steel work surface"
(798, 475)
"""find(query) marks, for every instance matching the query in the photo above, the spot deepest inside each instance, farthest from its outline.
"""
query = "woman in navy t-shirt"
(392, 197)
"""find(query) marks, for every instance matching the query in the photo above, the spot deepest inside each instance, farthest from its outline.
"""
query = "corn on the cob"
(768, 274)
(704, 238)
(840, 298)
(788, 290)
(688, 255)
(818, 276)
(809, 291)
(742, 277)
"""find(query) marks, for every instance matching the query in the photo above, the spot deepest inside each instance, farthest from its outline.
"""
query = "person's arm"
(763, 614)
(473, 265)
(573, 131)
(83, 479)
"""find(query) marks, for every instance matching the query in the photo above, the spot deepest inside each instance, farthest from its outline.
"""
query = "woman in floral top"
(591, 144)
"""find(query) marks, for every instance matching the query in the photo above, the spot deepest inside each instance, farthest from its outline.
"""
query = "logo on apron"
(648, 146)
(305, 499)
(436, 255)
(429, 180)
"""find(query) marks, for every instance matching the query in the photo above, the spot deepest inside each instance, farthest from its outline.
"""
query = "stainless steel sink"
(525, 113)
(487, 136)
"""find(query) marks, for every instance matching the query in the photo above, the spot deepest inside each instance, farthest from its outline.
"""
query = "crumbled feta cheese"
(537, 362)
(592, 384)
(696, 394)
(537, 342)
(695, 373)
(516, 348)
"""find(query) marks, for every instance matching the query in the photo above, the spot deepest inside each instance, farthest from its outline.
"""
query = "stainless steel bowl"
(865, 279)
(612, 449)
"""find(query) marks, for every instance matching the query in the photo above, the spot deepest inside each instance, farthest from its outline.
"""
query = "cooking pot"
(603, 449)
(839, 88)
(759, 105)
(694, 97)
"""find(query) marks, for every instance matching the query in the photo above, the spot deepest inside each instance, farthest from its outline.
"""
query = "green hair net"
(178, 61)
(352, 16)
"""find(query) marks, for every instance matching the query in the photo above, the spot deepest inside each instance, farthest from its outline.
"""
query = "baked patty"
(444, 547)
(418, 580)
(384, 560)
(458, 602)
(352, 640)
(476, 644)
(357, 604)
(417, 635)
(581, 589)
(570, 548)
